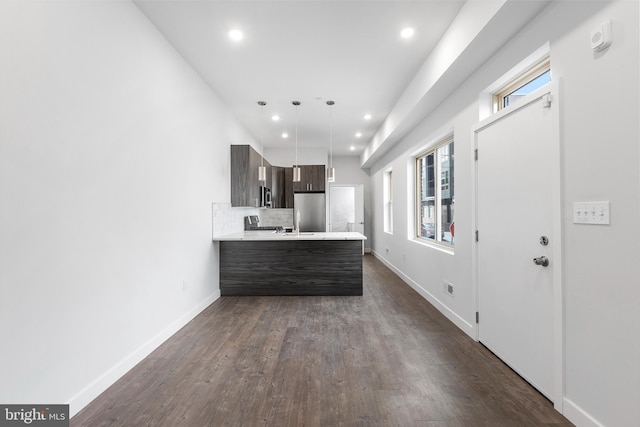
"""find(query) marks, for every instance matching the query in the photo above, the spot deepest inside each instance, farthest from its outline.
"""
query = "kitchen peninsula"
(269, 263)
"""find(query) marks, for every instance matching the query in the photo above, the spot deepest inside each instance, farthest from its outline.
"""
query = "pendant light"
(296, 167)
(331, 172)
(262, 171)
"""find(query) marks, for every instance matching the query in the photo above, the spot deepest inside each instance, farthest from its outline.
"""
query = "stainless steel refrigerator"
(310, 207)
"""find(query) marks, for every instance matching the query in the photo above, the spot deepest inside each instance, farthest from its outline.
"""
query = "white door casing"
(518, 200)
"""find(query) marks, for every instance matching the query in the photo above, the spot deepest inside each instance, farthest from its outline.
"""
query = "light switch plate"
(591, 213)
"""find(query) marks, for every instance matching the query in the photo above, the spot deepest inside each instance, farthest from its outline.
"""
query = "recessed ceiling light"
(407, 33)
(367, 116)
(358, 134)
(352, 148)
(275, 117)
(285, 135)
(236, 35)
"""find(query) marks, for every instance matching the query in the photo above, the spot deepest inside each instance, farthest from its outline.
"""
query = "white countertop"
(271, 236)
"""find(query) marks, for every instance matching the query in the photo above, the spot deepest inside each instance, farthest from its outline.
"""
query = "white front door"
(516, 175)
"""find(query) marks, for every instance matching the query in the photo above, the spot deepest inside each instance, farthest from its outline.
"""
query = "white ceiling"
(350, 52)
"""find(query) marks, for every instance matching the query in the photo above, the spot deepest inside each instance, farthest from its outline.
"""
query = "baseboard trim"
(104, 381)
(465, 326)
(577, 415)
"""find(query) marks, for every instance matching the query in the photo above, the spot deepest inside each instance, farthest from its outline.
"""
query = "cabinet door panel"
(288, 188)
(245, 187)
(277, 187)
(316, 178)
(311, 179)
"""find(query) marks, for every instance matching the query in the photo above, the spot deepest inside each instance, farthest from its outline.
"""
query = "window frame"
(529, 75)
(388, 200)
(437, 183)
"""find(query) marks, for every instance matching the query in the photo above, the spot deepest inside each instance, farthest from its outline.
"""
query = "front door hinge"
(476, 154)
(477, 235)
(477, 317)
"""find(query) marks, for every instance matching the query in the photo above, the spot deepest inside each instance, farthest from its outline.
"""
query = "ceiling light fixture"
(331, 172)
(285, 135)
(358, 134)
(275, 117)
(296, 167)
(407, 33)
(236, 35)
(262, 171)
(352, 148)
(367, 116)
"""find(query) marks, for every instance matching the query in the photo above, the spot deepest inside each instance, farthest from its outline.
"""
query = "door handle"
(543, 261)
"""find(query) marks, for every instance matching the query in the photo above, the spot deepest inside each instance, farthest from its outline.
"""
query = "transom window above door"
(532, 79)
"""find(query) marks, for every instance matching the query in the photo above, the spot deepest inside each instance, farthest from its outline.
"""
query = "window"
(435, 193)
(388, 201)
(526, 83)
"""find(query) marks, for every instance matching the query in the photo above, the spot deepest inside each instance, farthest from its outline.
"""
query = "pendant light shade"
(296, 168)
(296, 174)
(331, 172)
(262, 170)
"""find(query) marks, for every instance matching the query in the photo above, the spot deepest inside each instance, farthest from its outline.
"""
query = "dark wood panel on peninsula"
(291, 267)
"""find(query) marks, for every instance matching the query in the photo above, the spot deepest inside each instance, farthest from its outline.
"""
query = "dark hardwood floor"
(387, 358)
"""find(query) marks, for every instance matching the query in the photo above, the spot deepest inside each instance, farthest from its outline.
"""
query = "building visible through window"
(435, 197)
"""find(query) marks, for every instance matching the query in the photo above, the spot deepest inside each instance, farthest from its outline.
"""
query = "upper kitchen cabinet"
(288, 187)
(311, 179)
(245, 187)
(282, 187)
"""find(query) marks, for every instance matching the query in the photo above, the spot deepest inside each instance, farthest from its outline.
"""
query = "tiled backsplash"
(227, 220)
(275, 217)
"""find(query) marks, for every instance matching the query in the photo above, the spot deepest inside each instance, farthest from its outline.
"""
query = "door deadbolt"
(543, 261)
(544, 240)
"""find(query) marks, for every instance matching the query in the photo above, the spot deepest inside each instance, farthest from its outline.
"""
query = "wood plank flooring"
(387, 358)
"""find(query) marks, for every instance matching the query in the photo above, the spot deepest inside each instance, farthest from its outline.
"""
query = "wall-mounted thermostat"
(601, 37)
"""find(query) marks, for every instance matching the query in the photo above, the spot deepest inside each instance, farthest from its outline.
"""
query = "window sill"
(447, 249)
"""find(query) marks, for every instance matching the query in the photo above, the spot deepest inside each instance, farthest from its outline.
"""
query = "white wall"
(109, 163)
(601, 161)
(601, 149)
(287, 157)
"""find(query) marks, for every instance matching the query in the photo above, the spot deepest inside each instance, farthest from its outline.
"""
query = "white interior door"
(515, 209)
(359, 209)
(347, 208)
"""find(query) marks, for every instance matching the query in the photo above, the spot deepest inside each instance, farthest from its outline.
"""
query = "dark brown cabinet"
(282, 187)
(245, 187)
(311, 179)
(288, 187)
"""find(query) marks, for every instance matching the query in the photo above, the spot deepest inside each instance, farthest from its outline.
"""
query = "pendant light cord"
(262, 134)
(262, 104)
(262, 172)
(330, 103)
(331, 173)
(296, 103)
